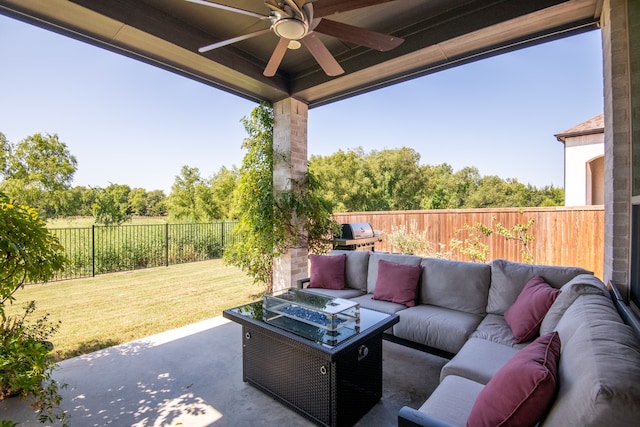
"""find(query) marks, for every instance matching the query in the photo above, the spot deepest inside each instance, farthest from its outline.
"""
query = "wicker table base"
(330, 386)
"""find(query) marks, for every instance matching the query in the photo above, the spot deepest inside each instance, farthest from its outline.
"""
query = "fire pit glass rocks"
(307, 307)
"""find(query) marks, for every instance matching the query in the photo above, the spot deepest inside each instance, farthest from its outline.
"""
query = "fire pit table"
(321, 356)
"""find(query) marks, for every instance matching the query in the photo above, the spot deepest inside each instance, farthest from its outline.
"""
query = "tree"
(397, 179)
(38, 171)
(138, 201)
(5, 154)
(156, 203)
(266, 228)
(346, 182)
(223, 184)
(28, 253)
(191, 198)
(147, 203)
(111, 205)
(394, 180)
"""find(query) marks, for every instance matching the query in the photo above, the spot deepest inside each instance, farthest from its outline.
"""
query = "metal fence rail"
(107, 249)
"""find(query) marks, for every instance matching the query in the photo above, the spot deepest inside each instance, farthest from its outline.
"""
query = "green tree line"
(394, 179)
(38, 171)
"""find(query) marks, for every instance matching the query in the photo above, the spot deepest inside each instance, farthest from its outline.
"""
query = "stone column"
(289, 164)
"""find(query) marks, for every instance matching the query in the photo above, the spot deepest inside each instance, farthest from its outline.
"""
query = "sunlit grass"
(88, 221)
(115, 308)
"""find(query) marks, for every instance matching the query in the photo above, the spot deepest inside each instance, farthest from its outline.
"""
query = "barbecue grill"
(357, 236)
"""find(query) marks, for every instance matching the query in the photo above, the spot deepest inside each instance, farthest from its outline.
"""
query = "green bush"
(28, 252)
(26, 364)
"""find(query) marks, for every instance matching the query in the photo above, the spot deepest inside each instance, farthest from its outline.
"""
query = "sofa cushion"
(526, 314)
(600, 382)
(356, 268)
(397, 282)
(585, 309)
(508, 278)
(375, 257)
(437, 327)
(327, 272)
(580, 285)
(452, 400)
(458, 285)
(478, 360)
(521, 392)
(346, 293)
(495, 329)
(367, 301)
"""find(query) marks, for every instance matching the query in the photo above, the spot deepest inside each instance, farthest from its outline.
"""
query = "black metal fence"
(107, 249)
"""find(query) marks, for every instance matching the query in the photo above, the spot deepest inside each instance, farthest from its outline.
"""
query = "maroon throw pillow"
(526, 314)
(327, 271)
(522, 391)
(397, 282)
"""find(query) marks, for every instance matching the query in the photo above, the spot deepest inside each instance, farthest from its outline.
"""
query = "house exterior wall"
(579, 181)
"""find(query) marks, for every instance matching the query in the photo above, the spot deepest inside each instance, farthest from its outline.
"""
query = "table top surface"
(371, 321)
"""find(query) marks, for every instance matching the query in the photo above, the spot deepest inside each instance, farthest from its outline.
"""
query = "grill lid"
(357, 230)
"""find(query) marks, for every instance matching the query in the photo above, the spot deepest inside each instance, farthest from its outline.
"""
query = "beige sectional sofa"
(459, 313)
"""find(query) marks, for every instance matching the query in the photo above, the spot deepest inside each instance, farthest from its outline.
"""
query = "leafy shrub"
(28, 252)
(26, 365)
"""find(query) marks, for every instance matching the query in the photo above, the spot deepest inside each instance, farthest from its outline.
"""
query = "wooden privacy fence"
(565, 236)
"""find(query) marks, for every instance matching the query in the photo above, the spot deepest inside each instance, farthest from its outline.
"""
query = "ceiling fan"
(296, 22)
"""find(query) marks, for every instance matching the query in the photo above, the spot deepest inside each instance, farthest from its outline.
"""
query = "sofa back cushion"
(372, 275)
(582, 284)
(586, 309)
(457, 285)
(508, 279)
(356, 268)
(598, 376)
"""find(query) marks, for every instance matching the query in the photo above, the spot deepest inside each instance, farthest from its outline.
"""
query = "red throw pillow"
(327, 271)
(522, 391)
(397, 282)
(525, 315)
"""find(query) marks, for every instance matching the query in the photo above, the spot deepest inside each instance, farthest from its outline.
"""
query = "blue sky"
(130, 123)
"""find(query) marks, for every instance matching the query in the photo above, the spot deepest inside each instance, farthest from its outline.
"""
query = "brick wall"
(617, 93)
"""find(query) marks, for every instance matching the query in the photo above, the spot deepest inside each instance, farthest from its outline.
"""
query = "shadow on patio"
(192, 376)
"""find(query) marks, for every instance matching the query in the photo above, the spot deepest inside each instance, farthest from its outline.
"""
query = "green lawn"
(88, 221)
(114, 308)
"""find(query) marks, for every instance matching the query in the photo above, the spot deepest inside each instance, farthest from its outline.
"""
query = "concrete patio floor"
(192, 376)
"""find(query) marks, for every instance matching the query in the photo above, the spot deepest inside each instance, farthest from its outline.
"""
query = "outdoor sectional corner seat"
(528, 344)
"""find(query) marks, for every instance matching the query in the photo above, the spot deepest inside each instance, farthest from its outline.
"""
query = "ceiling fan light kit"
(293, 20)
(290, 28)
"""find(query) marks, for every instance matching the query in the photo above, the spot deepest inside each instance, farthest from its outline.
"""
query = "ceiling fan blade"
(322, 55)
(233, 40)
(276, 58)
(328, 7)
(229, 8)
(357, 35)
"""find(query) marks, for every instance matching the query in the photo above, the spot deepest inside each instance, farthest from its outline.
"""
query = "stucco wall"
(579, 151)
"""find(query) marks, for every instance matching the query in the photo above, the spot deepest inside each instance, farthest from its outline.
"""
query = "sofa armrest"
(302, 282)
(409, 417)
